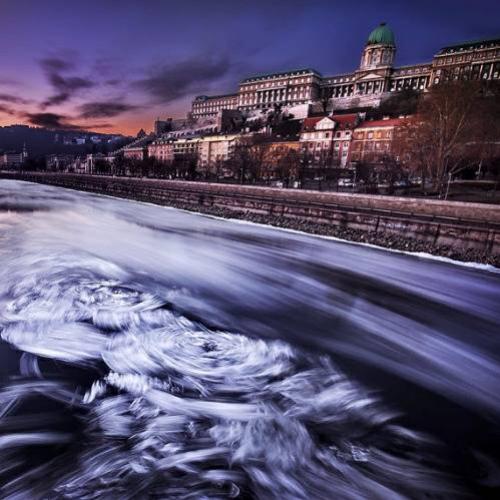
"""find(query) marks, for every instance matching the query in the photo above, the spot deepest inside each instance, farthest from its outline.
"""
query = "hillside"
(41, 141)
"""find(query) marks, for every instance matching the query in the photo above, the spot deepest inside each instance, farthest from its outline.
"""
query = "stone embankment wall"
(467, 231)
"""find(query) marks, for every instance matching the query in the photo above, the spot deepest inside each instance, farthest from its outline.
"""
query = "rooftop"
(381, 34)
(472, 43)
(345, 121)
(297, 72)
(391, 122)
(310, 123)
(220, 96)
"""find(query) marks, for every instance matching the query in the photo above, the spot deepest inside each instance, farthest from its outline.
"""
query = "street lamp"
(448, 186)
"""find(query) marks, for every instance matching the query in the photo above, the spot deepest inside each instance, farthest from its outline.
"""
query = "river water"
(148, 352)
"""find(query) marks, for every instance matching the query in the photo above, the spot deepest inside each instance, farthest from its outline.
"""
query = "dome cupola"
(380, 49)
(382, 34)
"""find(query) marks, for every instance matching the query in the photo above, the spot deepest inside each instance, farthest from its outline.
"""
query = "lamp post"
(479, 169)
(448, 186)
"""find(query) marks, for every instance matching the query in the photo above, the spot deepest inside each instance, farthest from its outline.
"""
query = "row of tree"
(254, 159)
(452, 129)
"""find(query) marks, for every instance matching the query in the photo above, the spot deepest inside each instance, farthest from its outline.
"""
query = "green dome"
(381, 34)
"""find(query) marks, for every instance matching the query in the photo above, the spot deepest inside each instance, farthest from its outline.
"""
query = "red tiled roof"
(310, 123)
(391, 122)
(345, 121)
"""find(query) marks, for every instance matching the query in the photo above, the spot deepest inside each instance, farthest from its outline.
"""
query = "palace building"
(208, 106)
(374, 80)
(290, 88)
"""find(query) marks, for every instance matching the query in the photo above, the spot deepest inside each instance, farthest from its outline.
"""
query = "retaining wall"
(456, 224)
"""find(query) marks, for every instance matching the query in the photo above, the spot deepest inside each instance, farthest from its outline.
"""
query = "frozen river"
(151, 353)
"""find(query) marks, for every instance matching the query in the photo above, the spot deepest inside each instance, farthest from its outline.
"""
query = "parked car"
(346, 183)
(401, 184)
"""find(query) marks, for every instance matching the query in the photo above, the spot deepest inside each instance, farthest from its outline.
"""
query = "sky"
(117, 65)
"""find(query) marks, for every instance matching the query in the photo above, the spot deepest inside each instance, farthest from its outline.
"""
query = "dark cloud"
(65, 87)
(56, 99)
(172, 82)
(48, 120)
(104, 109)
(13, 99)
(7, 110)
(58, 121)
(6, 102)
(56, 64)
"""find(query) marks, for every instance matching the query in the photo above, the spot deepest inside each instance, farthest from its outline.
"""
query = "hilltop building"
(301, 114)
(374, 79)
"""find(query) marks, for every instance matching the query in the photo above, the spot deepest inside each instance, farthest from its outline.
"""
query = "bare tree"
(410, 146)
(288, 166)
(249, 158)
(453, 117)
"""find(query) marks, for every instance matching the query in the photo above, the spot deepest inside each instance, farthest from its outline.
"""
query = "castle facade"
(375, 79)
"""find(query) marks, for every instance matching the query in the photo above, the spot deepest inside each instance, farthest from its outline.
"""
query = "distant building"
(59, 162)
(69, 140)
(161, 149)
(135, 152)
(213, 150)
(13, 159)
(186, 148)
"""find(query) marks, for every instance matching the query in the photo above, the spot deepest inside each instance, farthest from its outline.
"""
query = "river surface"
(148, 352)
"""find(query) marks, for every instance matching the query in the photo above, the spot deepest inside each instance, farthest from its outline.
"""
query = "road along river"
(148, 352)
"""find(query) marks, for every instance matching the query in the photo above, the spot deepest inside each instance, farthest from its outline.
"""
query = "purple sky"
(115, 65)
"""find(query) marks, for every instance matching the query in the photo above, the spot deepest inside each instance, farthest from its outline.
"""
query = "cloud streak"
(104, 109)
(65, 87)
(59, 121)
(12, 99)
(7, 110)
(172, 82)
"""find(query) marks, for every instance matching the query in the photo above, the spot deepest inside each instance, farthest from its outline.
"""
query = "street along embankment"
(463, 231)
